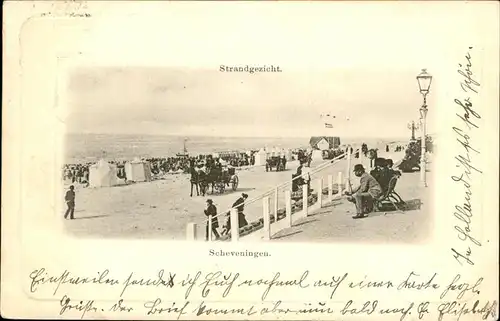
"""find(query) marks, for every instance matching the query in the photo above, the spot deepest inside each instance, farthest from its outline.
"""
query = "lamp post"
(413, 126)
(424, 84)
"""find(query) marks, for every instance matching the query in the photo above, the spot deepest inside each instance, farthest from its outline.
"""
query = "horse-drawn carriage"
(275, 162)
(219, 178)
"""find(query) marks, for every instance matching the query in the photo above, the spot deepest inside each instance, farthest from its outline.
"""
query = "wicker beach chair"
(390, 195)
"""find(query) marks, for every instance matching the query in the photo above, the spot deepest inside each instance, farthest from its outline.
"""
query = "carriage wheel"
(235, 183)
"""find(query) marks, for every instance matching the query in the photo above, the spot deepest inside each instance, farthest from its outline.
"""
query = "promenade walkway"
(334, 222)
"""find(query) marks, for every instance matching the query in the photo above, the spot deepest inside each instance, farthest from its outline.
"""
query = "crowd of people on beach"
(161, 165)
(182, 163)
(79, 172)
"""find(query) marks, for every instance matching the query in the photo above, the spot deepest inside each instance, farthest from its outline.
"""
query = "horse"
(194, 180)
(212, 177)
(202, 182)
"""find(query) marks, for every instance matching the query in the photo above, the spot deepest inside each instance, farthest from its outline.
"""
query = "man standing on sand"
(70, 201)
(364, 195)
(211, 213)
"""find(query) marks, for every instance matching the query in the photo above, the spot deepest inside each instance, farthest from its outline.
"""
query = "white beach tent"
(323, 144)
(317, 154)
(138, 171)
(102, 174)
(260, 157)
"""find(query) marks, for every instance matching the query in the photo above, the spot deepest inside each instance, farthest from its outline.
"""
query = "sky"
(163, 101)
(143, 76)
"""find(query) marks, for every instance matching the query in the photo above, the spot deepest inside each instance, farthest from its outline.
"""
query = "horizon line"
(228, 136)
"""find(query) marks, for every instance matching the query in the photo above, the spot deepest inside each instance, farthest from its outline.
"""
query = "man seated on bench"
(365, 194)
(389, 164)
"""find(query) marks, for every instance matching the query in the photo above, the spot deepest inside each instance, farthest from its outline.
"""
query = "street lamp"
(413, 126)
(424, 84)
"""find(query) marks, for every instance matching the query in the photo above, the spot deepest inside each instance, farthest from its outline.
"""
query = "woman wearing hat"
(363, 195)
(211, 212)
(240, 206)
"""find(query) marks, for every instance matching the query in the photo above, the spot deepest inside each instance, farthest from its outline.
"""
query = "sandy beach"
(163, 208)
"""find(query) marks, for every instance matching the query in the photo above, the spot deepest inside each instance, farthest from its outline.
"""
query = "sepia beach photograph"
(172, 153)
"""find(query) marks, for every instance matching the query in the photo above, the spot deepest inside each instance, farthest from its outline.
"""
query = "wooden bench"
(390, 195)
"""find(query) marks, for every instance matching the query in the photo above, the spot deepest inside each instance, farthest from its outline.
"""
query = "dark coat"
(242, 221)
(239, 204)
(382, 176)
(70, 196)
(212, 211)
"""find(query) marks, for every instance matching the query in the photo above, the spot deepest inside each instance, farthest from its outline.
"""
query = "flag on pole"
(327, 115)
(327, 125)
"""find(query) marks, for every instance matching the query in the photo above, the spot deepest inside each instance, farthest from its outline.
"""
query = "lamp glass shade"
(423, 113)
(424, 81)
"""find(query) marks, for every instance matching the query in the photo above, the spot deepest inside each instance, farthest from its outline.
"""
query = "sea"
(90, 147)
(82, 148)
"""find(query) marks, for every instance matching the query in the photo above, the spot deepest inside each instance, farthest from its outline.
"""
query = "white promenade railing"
(280, 202)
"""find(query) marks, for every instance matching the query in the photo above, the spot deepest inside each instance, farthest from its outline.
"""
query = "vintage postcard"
(250, 161)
